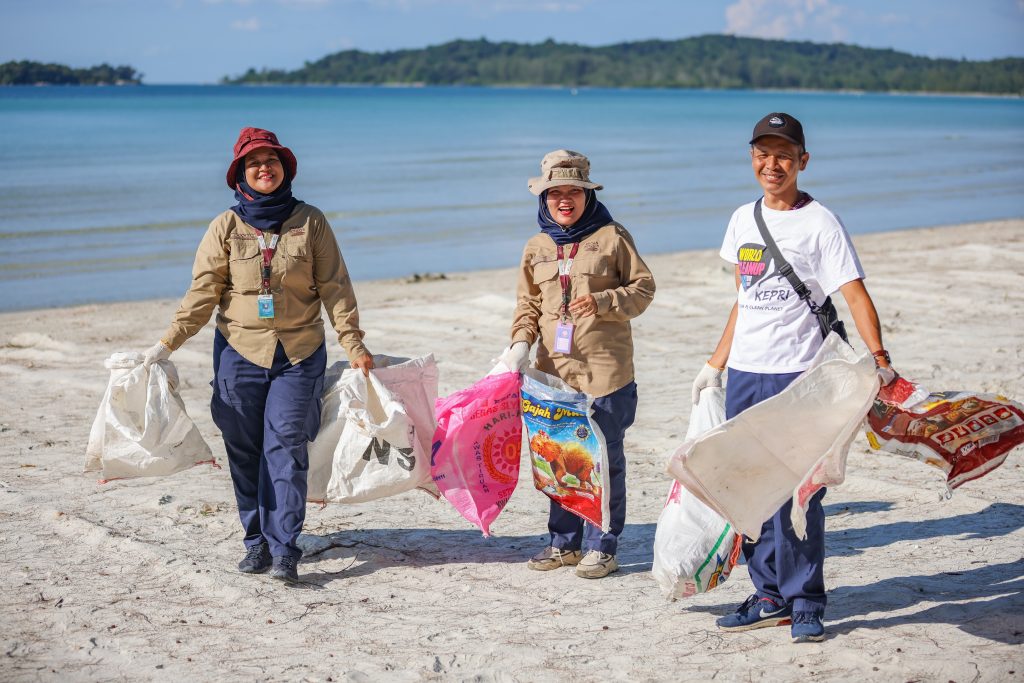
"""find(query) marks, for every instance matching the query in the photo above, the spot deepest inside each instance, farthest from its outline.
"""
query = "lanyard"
(268, 255)
(563, 276)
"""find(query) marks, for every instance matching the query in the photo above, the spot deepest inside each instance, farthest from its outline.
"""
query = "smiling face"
(263, 170)
(566, 204)
(776, 163)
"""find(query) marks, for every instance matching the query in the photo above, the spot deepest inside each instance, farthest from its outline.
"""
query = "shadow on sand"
(985, 601)
(998, 519)
(370, 550)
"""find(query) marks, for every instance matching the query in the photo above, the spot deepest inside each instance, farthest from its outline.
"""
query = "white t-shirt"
(776, 331)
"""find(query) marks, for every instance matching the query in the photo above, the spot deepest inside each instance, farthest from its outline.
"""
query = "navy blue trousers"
(267, 416)
(614, 414)
(782, 567)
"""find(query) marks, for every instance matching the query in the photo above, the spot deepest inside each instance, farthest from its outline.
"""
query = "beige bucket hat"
(563, 167)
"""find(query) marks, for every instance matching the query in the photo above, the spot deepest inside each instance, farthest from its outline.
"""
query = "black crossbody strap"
(786, 270)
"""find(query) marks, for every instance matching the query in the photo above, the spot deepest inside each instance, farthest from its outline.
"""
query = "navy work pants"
(267, 416)
(614, 414)
(782, 567)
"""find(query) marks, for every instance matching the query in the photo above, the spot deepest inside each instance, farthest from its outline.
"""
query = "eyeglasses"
(269, 161)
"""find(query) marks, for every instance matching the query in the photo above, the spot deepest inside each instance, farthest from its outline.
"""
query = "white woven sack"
(339, 380)
(384, 445)
(788, 446)
(141, 428)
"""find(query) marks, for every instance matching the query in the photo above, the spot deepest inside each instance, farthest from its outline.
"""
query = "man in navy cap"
(771, 336)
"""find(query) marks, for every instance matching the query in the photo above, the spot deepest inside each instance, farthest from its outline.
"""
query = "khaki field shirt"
(608, 266)
(307, 270)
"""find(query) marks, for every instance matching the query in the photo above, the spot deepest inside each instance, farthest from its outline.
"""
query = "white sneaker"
(596, 564)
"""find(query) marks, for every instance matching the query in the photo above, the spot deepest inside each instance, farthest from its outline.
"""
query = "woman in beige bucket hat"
(581, 281)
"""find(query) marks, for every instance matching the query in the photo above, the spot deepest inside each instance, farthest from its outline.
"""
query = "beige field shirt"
(608, 266)
(308, 270)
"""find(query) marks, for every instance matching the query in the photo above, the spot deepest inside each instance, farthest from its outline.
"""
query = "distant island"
(711, 61)
(37, 73)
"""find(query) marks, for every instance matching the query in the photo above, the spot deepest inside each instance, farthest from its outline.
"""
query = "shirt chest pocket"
(297, 262)
(596, 273)
(244, 265)
(545, 272)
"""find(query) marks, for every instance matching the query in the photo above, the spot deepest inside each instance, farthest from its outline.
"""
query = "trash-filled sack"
(567, 448)
(695, 548)
(788, 446)
(383, 445)
(476, 448)
(339, 387)
(141, 428)
(964, 434)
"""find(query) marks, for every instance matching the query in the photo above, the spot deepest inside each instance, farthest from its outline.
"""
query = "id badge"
(563, 337)
(265, 305)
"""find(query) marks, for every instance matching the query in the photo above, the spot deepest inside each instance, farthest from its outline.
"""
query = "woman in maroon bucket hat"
(268, 264)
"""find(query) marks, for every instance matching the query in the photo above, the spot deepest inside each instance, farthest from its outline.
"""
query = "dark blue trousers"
(267, 416)
(614, 414)
(782, 567)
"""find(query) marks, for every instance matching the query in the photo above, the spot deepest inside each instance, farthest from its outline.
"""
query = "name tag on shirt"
(265, 305)
(563, 337)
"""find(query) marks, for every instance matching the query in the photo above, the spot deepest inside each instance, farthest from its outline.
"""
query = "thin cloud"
(808, 19)
(251, 24)
(489, 6)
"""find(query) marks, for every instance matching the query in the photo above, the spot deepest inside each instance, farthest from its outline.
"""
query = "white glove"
(157, 352)
(886, 376)
(516, 356)
(707, 377)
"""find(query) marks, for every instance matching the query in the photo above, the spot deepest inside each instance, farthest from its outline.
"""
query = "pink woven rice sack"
(476, 447)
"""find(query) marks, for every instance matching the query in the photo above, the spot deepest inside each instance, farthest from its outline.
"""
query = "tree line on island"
(711, 61)
(35, 73)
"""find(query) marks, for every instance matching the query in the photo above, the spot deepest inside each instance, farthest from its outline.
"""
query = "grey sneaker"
(284, 569)
(596, 565)
(553, 558)
(256, 560)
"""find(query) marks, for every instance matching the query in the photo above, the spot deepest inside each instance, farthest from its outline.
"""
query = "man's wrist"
(881, 356)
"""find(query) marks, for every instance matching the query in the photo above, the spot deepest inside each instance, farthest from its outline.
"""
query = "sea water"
(108, 190)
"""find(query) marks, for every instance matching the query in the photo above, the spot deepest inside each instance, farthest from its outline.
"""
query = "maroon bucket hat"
(254, 138)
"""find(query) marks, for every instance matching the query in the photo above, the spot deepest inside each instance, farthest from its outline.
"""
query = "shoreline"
(136, 578)
(574, 89)
(410, 278)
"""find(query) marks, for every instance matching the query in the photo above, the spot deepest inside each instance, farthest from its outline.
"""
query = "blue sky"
(198, 41)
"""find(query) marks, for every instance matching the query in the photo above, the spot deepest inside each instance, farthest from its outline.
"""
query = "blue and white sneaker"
(754, 613)
(807, 628)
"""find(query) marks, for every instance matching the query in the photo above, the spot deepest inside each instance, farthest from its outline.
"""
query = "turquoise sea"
(109, 190)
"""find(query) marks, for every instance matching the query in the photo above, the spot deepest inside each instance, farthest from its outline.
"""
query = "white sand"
(110, 582)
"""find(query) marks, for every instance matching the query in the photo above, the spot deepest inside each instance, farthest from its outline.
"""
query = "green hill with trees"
(34, 73)
(711, 61)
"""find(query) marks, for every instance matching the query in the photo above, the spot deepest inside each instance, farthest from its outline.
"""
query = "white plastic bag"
(141, 428)
(383, 447)
(695, 548)
(788, 446)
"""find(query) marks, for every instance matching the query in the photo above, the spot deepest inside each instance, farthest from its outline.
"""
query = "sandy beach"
(136, 580)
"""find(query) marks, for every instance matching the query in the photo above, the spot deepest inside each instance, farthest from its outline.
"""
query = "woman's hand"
(364, 363)
(155, 354)
(582, 306)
